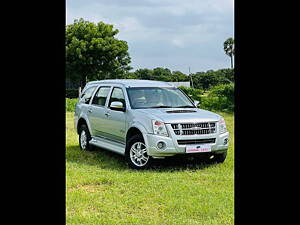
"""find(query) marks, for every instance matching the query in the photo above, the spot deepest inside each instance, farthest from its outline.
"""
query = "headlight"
(159, 128)
(222, 126)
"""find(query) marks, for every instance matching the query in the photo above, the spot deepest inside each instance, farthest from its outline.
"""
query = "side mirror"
(117, 106)
(196, 103)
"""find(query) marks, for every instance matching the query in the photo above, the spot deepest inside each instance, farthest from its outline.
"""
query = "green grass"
(102, 190)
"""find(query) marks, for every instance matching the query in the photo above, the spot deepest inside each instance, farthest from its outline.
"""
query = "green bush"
(70, 104)
(72, 93)
(224, 90)
(220, 98)
(194, 93)
(216, 104)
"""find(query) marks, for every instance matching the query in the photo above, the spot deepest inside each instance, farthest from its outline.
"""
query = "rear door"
(116, 120)
(96, 111)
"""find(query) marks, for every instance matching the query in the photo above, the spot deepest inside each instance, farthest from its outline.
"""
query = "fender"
(84, 116)
(140, 127)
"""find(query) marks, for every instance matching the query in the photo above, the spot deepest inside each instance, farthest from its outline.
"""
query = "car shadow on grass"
(105, 159)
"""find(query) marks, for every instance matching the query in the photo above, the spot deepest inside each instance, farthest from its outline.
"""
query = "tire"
(138, 159)
(219, 158)
(84, 138)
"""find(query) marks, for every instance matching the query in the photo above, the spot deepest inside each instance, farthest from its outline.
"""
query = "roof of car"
(133, 83)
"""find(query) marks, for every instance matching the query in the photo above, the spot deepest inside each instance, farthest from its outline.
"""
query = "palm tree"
(229, 49)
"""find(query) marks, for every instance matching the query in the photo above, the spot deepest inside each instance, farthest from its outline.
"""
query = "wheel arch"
(136, 129)
(132, 131)
(80, 122)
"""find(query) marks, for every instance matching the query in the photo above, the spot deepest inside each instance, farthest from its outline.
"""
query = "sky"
(174, 34)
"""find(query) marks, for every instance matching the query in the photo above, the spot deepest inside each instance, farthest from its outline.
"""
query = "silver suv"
(143, 119)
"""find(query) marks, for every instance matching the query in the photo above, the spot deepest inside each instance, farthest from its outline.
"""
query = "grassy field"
(102, 190)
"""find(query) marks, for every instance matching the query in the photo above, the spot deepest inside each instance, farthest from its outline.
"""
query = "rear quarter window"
(87, 94)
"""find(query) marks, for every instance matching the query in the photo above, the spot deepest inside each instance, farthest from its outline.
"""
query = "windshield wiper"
(185, 106)
(162, 106)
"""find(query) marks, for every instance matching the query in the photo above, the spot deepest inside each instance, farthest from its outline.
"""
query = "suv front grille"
(194, 128)
(196, 141)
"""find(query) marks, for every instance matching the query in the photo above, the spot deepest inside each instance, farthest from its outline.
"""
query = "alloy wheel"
(138, 154)
(83, 139)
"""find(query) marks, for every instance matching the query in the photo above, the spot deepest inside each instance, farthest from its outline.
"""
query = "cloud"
(178, 43)
(167, 33)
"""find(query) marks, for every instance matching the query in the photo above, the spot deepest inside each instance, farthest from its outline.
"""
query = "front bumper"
(173, 148)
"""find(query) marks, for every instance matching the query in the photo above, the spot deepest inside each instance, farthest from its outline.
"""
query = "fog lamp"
(161, 145)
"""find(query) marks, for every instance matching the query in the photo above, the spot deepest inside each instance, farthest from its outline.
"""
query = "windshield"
(156, 97)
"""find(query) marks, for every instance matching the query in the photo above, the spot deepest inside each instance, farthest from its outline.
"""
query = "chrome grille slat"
(194, 128)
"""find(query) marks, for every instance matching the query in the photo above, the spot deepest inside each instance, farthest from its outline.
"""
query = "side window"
(117, 96)
(100, 96)
(87, 94)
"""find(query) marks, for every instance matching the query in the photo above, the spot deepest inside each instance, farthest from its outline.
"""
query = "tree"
(205, 80)
(178, 76)
(162, 74)
(92, 52)
(226, 75)
(129, 75)
(144, 74)
(229, 49)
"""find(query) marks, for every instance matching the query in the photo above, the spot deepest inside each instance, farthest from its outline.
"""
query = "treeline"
(207, 80)
(159, 73)
(200, 80)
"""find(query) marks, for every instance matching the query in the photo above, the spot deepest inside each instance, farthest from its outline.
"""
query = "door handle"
(107, 114)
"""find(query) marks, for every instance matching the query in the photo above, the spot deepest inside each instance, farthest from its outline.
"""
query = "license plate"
(197, 148)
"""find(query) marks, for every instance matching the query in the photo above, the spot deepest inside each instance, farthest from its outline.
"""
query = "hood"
(179, 115)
